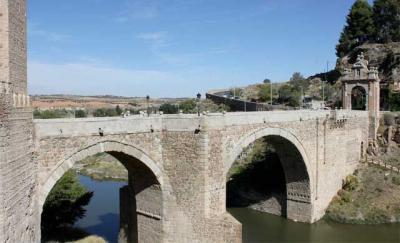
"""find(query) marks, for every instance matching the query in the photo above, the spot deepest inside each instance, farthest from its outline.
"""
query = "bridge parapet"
(184, 123)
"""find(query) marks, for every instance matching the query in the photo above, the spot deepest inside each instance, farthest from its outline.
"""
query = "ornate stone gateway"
(361, 83)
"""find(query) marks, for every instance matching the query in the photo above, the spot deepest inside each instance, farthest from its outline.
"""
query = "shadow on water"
(65, 234)
(108, 228)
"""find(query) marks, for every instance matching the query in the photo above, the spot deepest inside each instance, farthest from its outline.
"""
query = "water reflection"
(261, 227)
(102, 218)
(102, 215)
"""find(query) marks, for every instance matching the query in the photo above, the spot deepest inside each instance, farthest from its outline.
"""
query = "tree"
(299, 82)
(359, 28)
(118, 110)
(264, 92)
(394, 101)
(387, 20)
(169, 108)
(289, 95)
(105, 112)
(267, 81)
(188, 106)
(65, 202)
(80, 114)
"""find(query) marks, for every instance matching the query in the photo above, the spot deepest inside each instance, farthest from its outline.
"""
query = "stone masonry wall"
(195, 153)
(17, 169)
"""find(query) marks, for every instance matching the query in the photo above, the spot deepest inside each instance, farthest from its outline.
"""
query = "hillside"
(386, 57)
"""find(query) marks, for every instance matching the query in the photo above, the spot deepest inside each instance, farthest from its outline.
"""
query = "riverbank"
(370, 196)
(102, 167)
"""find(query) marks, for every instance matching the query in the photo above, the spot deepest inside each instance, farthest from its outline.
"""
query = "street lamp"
(147, 101)
(198, 103)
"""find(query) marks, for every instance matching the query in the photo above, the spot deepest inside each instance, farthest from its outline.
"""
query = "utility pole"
(302, 98)
(271, 91)
(323, 82)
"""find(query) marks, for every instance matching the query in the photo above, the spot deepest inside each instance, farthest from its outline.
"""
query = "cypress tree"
(359, 28)
(387, 20)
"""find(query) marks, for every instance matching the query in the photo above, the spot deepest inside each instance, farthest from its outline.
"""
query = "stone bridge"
(178, 164)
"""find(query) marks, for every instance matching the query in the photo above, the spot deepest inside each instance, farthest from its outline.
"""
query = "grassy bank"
(102, 167)
(371, 196)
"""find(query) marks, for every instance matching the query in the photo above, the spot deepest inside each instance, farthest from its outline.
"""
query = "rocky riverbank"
(370, 196)
(102, 167)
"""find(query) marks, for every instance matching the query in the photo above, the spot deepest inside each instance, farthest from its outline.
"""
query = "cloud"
(34, 30)
(91, 79)
(153, 36)
(138, 10)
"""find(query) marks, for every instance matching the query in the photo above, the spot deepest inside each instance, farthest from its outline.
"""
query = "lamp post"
(198, 103)
(147, 101)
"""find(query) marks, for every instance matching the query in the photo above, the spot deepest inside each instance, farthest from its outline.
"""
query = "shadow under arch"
(296, 166)
(359, 98)
(138, 216)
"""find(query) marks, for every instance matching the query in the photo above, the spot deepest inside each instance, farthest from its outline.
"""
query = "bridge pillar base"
(299, 211)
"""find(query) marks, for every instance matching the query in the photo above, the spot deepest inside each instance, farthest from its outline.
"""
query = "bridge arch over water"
(141, 219)
(296, 166)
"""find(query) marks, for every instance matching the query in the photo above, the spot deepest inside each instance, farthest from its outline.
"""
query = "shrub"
(396, 180)
(80, 114)
(65, 202)
(105, 112)
(389, 119)
(169, 108)
(350, 183)
(345, 196)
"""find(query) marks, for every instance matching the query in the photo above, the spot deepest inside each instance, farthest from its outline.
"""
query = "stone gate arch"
(296, 165)
(359, 98)
(137, 162)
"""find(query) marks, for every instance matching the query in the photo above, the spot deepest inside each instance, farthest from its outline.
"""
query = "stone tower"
(17, 169)
(367, 79)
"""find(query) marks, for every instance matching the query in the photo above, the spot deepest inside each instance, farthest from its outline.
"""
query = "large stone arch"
(137, 161)
(296, 164)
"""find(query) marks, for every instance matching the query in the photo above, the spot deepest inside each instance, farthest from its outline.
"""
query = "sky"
(176, 48)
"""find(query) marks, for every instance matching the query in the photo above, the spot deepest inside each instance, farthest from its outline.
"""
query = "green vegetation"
(59, 113)
(101, 167)
(394, 101)
(188, 106)
(387, 20)
(51, 114)
(359, 28)
(169, 108)
(106, 112)
(264, 92)
(377, 24)
(289, 95)
(370, 196)
(80, 114)
(64, 205)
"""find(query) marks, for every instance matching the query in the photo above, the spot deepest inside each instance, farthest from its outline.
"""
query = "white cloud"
(48, 35)
(89, 79)
(138, 10)
(153, 36)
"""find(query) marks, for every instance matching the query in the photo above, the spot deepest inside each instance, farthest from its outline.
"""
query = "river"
(102, 218)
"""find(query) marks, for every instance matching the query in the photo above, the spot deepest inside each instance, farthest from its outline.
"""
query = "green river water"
(102, 218)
